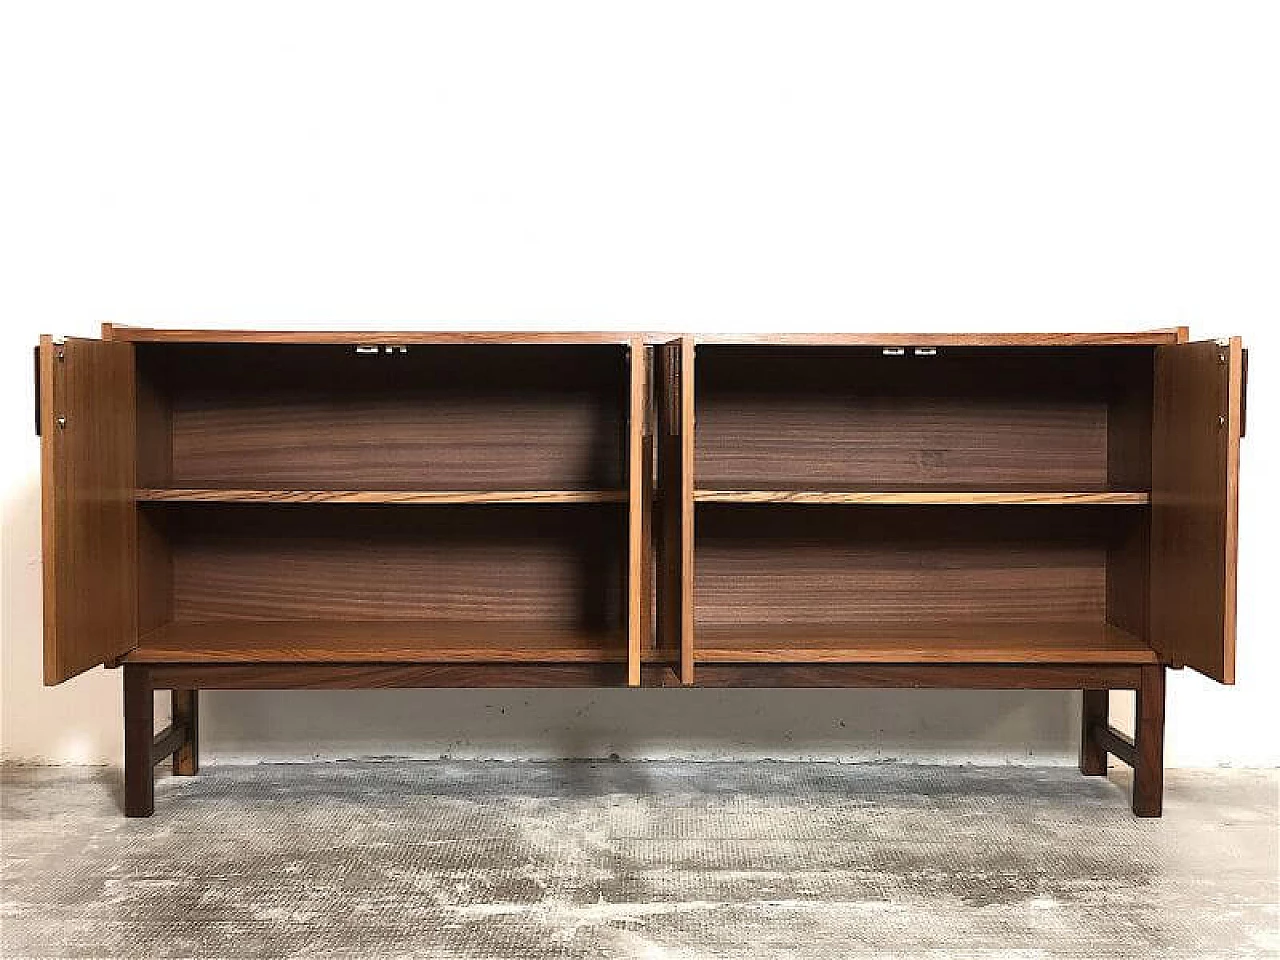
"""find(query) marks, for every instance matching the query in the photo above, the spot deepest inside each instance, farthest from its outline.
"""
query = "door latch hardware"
(894, 351)
(926, 351)
(61, 422)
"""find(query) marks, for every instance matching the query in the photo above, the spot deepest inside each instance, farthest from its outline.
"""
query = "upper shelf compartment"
(418, 423)
(959, 424)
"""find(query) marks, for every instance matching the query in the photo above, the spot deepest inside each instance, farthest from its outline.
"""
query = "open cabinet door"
(87, 441)
(1197, 422)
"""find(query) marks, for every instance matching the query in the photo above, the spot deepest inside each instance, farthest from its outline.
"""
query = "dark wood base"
(1144, 752)
(1093, 714)
(144, 749)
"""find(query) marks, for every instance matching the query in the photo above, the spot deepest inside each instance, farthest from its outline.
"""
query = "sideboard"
(269, 510)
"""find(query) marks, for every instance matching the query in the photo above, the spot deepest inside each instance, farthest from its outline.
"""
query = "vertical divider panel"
(674, 541)
(638, 505)
(687, 422)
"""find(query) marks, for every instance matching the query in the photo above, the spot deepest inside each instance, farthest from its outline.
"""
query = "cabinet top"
(850, 339)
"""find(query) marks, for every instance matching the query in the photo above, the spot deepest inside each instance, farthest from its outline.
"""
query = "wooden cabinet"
(283, 510)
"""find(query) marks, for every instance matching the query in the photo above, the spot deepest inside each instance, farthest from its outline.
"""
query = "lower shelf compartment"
(1020, 642)
(377, 641)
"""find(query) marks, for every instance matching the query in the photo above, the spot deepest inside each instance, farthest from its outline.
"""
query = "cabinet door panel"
(1197, 424)
(87, 483)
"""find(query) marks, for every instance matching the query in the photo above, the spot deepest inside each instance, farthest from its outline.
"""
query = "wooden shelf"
(217, 495)
(923, 497)
(376, 641)
(919, 643)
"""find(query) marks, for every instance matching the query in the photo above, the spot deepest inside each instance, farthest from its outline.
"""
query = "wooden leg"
(1148, 769)
(139, 730)
(186, 711)
(1093, 757)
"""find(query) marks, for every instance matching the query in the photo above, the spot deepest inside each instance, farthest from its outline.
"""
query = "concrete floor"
(644, 860)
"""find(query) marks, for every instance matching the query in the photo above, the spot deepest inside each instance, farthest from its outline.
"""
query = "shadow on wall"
(78, 722)
(853, 725)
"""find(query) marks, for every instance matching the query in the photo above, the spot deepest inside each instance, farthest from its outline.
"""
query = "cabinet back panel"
(545, 564)
(435, 417)
(780, 418)
(778, 564)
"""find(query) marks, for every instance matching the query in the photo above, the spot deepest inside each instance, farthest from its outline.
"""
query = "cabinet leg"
(1148, 768)
(139, 730)
(1093, 716)
(186, 711)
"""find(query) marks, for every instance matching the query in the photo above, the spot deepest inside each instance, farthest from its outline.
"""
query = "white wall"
(688, 166)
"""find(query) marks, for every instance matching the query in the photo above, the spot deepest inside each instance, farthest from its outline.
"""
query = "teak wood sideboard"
(253, 509)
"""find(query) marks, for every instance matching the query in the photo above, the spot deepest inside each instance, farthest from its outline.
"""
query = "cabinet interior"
(433, 418)
(921, 583)
(966, 505)
(323, 503)
(383, 582)
(470, 503)
(964, 419)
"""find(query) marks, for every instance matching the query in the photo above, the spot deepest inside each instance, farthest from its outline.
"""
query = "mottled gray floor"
(644, 860)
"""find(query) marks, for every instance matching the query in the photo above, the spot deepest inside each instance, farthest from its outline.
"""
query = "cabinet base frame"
(1144, 752)
(144, 748)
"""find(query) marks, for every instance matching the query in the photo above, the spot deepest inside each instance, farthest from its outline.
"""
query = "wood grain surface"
(1195, 504)
(88, 515)
(377, 641)
(369, 337)
(554, 565)
(688, 453)
(445, 497)
(780, 564)
(378, 338)
(908, 340)
(453, 418)
(916, 642)
(361, 676)
(977, 676)
(921, 497)
(668, 542)
(774, 418)
(639, 504)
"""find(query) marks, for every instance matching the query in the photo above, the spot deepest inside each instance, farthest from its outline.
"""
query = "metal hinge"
(902, 351)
